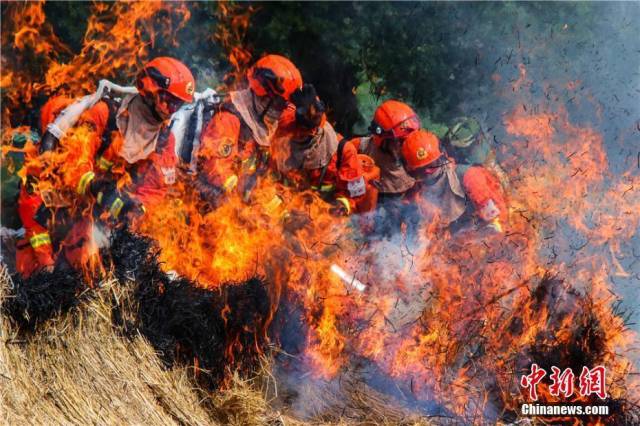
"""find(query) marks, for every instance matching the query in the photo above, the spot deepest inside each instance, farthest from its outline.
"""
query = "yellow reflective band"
(230, 183)
(84, 182)
(345, 203)
(324, 188)
(273, 204)
(39, 240)
(116, 206)
(496, 225)
(99, 197)
(250, 163)
(104, 164)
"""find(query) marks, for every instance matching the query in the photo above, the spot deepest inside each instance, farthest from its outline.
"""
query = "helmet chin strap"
(266, 110)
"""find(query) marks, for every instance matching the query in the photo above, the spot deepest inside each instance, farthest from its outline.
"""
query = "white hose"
(182, 118)
(70, 115)
(210, 95)
(347, 278)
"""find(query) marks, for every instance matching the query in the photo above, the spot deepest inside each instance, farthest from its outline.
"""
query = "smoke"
(589, 63)
(593, 44)
(581, 67)
(585, 59)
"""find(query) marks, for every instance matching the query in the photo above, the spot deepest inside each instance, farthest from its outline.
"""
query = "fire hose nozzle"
(348, 278)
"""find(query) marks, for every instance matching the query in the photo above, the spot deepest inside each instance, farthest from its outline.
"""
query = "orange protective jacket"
(468, 186)
(151, 176)
(226, 150)
(34, 251)
(234, 147)
(91, 159)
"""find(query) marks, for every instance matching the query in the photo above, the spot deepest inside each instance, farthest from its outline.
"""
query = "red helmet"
(393, 120)
(168, 82)
(420, 149)
(274, 76)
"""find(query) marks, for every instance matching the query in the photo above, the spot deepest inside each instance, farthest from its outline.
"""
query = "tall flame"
(450, 319)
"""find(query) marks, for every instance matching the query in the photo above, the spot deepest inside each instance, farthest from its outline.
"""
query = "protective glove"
(309, 108)
(43, 215)
(118, 205)
(101, 185)
(49, 142)
(496, 226)
(209, 193)
(341, 207)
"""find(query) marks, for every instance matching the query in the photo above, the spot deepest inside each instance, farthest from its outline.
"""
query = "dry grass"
(77, 369)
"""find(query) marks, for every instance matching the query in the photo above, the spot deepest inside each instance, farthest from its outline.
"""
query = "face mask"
(269, 109)
(430, 173)
(166, 104)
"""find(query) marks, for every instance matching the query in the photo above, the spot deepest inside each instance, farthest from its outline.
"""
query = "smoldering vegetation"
(221, 329)
(77, 368)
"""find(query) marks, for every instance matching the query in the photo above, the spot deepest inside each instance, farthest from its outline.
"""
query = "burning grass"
(219, 330)
(79, 368)
(443, 336)
(76, 368)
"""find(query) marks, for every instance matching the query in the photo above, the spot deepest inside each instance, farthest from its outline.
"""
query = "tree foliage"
(435, 55)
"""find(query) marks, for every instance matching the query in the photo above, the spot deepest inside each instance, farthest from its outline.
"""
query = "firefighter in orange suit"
(392, 122)
(307, 153)
(129, 139)
(34, 251)
(453, 195)
(234, 145)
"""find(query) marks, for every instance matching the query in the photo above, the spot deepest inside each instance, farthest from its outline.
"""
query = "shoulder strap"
(111, 126)
(163, 137)
(341, 145)
(191, 132)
